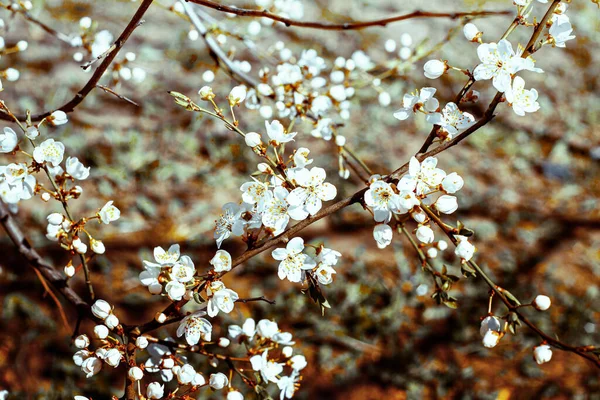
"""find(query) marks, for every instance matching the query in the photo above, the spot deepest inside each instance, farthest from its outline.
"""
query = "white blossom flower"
(185, 374)
(155, 390)
(452, 183)
(175, 290)
(101, 309)
(149, 277)
(301, 159)
(218, 381)
(287, 385)
(520, 99)
(229, 222)
(423, 177)
(276, 214)
(194, 327)
(542, 353)
(8, 140)
(109, 213)
(541, 302)
(464, 249)
(446, 204)
(293, 261)
(220, 298)
(91, 366)
(256, 192)
(135, 374)
(422, 100)
(268, 369)
(248, 329)
(32, 132)
(451, 119)
(80, 356)
(298, 362)
(561, 30)
(277, 132)
(313, 190)
(79, 246)
(76, 169)
(267, 328)
(498, 62)
(206, 93)
(97, 246)
(324, 274)
(49, 151)
(221, 261)
(425, 234)
(433, 69)
(381, 198)
(383, 234)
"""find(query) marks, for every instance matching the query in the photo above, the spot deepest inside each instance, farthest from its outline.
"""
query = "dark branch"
(354, 25)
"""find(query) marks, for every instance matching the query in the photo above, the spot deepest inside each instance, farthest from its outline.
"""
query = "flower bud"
(235, 395)
(434, 69)
(464, 249)
(113, 357)
(490, 323)
(287, 351)
(135, 374)
(111, 321)
(340, 140)
(425, 234)
(432, 252)
(542, 353)
(167, 363)
(91, 366)
(253, 139)
(97, 246)
(471, 32)
(55, 218)
(383, 234)
(542, 303)
(446, 204)
(101, 309)
(69, 271)
(206, 93)
(224, 342)
(141, 342)
(186, 374)
(155, 391)
(79, 246)
(46, 196)
(442, 245)
(237, 95)
(101, 331)
(160, 318)
(58, 118)
(218, 381)
(82, 341)
(491, 339)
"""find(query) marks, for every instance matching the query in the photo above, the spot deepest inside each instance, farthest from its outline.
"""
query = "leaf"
(468, 271)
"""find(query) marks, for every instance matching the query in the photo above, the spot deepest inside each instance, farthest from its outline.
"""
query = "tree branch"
(91, 84)
(354, 25)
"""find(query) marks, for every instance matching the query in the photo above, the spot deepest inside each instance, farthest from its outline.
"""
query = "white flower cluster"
(260, 338)
(423, 184)
(91, 361)
(295, 264)
(274, 198)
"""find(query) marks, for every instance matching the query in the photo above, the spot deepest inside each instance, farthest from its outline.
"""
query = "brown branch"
(354, 25)
(261, 298)
(59, 35)
(91, 84)
(49, 273)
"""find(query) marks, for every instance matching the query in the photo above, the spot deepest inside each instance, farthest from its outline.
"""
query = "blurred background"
(531, 194)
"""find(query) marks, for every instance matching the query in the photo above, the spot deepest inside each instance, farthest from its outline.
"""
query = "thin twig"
(109, 90)
(261, 298)
(354, 25)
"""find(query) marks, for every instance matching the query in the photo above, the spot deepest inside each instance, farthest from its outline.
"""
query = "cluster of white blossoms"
(272, 353)
(295, 264)
(424, 184)
(275, 195)
(18, 182)
(493, 329)
(107, 352)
